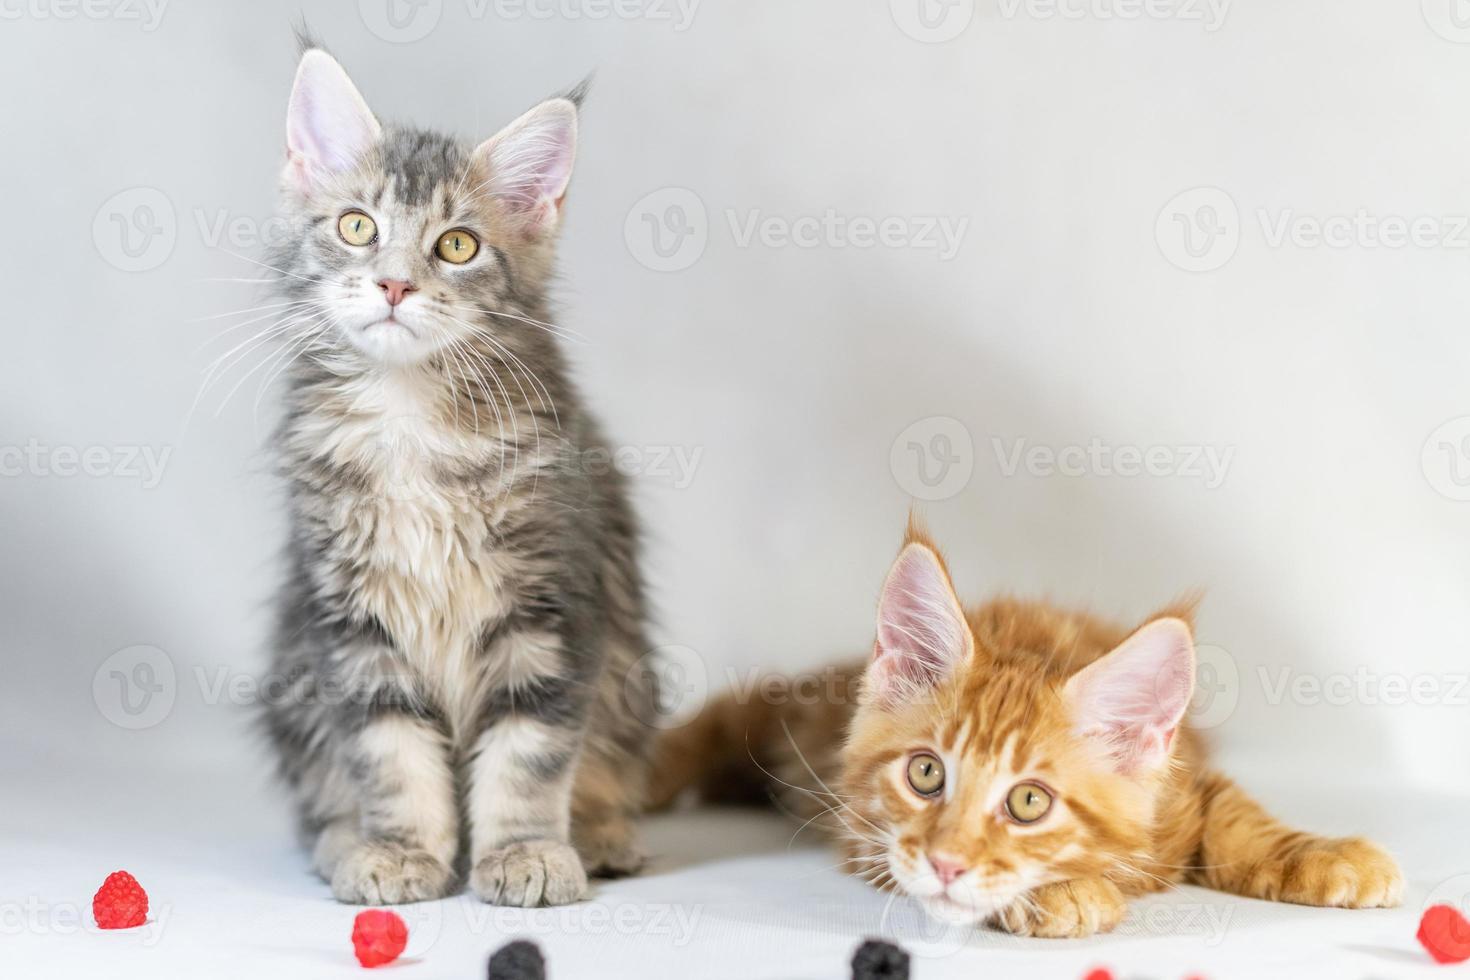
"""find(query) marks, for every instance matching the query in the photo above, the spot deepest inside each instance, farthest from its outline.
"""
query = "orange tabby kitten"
(1015, 763)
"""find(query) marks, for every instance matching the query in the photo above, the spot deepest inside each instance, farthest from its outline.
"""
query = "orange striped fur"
(1003, 716)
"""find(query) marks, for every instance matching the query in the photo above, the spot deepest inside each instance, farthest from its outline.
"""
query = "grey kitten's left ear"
(328, 124)
(528, 164)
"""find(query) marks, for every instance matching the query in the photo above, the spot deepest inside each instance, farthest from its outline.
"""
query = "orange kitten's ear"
(1133, 698)
(922, 633)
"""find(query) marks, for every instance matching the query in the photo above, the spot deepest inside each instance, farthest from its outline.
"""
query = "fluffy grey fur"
(455, 688)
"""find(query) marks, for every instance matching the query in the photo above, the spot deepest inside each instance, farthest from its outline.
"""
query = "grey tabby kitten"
(458, 637)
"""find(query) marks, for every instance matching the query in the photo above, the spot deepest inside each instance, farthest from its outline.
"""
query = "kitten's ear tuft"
(1134, 697)
(328, 125)
(528, 164)
(922, 633)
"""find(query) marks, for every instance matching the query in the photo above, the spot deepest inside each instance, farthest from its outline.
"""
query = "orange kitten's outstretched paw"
(1350, 873)
(1066, 910)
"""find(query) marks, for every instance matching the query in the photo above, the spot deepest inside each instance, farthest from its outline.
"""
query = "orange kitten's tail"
(777, 739)
(716, 754)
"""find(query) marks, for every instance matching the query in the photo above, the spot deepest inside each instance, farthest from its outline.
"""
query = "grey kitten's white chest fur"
(413, 547)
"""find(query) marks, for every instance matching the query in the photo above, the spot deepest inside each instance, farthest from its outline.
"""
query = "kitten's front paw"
(611, 853)
(536, 872)
(1065, 910)
(389, 874)
(1350, 873)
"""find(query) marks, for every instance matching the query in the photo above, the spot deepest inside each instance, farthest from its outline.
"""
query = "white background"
(1331, 376)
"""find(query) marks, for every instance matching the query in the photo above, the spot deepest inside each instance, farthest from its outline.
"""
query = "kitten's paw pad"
(387, 874)
(531, 873)
(1066, 910)
(1352, 873)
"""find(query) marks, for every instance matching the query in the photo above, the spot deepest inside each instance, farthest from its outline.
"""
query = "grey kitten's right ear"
(328, 124)
(529, 163)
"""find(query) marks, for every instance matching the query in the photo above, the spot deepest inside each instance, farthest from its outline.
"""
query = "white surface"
(730, 895)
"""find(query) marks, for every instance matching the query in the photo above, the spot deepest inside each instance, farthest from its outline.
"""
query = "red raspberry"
(121, 903)
(378, 936)
(1445, 933)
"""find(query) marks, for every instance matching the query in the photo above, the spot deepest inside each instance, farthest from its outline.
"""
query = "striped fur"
(1005, 714)
(457, 637)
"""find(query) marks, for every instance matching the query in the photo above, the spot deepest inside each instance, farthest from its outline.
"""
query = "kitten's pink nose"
(395, 290)
(947, 868)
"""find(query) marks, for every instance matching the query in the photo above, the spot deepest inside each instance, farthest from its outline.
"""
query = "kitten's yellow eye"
(1027, 802)
(926, 774)
(357, 228)
(457, 246)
